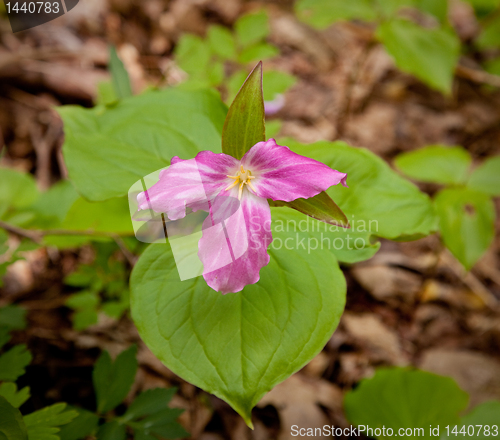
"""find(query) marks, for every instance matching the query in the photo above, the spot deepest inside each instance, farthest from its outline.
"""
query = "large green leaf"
(429, 54)
(12, 426)
(436, 163)
(112, 380)
(404, 399)
(244, 125)
(292, 229)
(466, 221)
(107, 150)
(486, 177)
(378, 200)
(112, 215)
(238, 346)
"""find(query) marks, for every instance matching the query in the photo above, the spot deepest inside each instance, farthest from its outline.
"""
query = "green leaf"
(244, 125)
(4, 336)
(121, 80)
(322, 13)
(163, 424)
(83, 301)
(112, 380)
(252, 28)
(486, 177)
(259, 51)
(429, 54)
(83, 319)
(112, 431)
(466, 222)
(13, 362)
(112, 215)
(489, 38)
(115, 309)
(493, 66)
(52, 206)
(82, 426)
(215, 73)
(273, 128)
(12, 426)
(234, 84)
(17, 190)
(13, 317)
(293, 229)
(276, 82)
(106, 94)
(222, 42)
(401, 398)
(378, 200)
(108, 150)
(192, 55)
(480, 422)
(149, 402)
(8, 390)
(438, 8)
(44, 424)
(320, 207)
(238, 346)
(83, 277)
(483, 7)
(436, 163)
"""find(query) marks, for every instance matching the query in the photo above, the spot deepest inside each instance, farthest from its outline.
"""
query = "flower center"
(243, 177)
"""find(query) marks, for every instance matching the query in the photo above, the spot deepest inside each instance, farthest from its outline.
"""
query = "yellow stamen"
(242, 178)
(241, 190)
(233, 184)
(249, 183)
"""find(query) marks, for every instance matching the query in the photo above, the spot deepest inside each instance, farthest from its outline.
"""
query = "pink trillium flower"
(233, 246)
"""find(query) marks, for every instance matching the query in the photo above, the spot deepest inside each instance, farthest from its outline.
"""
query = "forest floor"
(412, 304)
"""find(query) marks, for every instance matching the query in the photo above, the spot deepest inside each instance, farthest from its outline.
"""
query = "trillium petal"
(234, 250)
(188, 183)
(281, 174)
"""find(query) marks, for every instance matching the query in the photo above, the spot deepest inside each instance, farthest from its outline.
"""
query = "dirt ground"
(412, 304)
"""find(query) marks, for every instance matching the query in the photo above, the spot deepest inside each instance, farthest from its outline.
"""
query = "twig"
(38, 235)
(352, 80)
(131, 258)
(31, 235)
(471, 281)
(478, 76)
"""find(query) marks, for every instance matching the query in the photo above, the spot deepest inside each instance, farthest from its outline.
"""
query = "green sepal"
(320, 207)
(244, 124)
